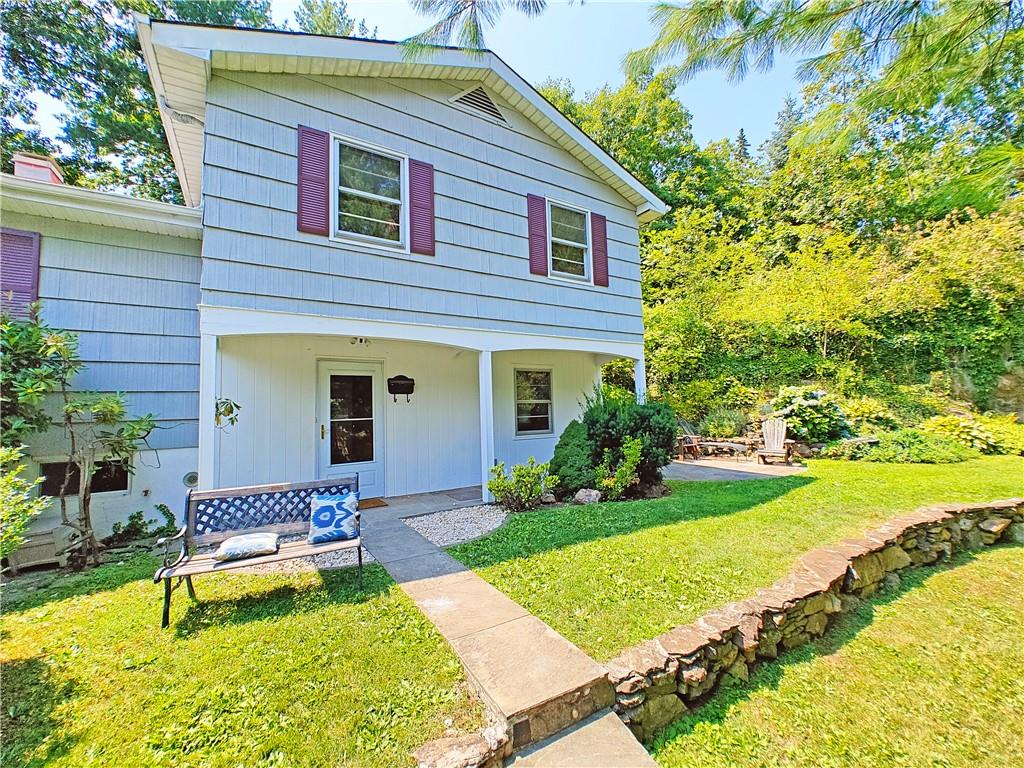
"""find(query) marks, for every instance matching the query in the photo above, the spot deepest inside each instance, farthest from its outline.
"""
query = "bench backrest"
(282, 508)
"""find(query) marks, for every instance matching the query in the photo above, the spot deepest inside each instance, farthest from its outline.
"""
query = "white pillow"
(246, 545)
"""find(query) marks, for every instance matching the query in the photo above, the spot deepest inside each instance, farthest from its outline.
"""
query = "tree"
(463, 21)
(742, 146)
(85, 53)
(329, 17)
(18, 500)
(776, 148)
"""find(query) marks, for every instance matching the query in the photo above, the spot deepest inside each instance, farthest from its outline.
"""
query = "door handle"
(323, 432)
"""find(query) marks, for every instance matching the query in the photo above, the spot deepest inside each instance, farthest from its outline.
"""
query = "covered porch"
(316, 400)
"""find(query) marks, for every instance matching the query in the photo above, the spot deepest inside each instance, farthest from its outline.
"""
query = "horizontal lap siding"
(131, 299)
(255, 258)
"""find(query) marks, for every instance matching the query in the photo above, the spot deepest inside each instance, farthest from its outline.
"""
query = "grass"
(608, 576)
(928, 676)
(298, 670)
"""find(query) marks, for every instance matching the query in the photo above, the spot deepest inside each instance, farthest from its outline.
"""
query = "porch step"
(600, 740)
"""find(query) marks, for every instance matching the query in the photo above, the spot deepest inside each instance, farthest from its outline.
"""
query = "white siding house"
(363, 218)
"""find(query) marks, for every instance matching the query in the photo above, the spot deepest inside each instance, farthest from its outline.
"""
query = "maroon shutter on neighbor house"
(537, 224)
(19, 270)
(421, 207)
(314, 181)
(599, 248)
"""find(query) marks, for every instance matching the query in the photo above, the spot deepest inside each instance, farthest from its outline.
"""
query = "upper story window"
(570, 244)
(371, 191)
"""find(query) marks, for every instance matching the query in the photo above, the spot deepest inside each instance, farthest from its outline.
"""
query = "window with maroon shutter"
(537, 224)
(314, 175)
(421, 207)
(19, 270)
(599, 248)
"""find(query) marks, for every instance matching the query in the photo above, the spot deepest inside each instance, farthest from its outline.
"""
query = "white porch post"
(209, 375)
(640, 380)
(486, 422)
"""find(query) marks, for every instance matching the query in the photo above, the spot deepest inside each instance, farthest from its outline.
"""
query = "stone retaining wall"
(657, 681)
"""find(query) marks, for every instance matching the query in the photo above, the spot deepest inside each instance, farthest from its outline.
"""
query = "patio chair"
(773, 432)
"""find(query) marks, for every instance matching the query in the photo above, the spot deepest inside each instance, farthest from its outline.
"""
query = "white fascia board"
(232, 321)
(121, 210)
(144, 30)
(484, 66)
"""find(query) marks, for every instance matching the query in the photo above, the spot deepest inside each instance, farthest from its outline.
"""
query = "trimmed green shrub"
(610, 420)
(614, 483)
(723, 422)
(811, 414)
(522, 489)
(914, 446)
(573, 461)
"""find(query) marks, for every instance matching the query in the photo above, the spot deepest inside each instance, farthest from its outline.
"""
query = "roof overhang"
(88, 206)
(180, 58)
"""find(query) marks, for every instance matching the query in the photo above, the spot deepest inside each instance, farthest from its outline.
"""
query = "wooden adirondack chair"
(776, 445)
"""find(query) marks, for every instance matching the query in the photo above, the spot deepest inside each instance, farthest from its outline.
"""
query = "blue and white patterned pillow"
(334, 517)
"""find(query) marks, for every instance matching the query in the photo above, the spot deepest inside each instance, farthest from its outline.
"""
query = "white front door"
(350, 428)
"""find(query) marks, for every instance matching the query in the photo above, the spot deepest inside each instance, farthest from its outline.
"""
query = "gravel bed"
(454, 526)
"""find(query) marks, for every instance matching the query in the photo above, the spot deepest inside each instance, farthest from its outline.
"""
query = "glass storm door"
(351, 428)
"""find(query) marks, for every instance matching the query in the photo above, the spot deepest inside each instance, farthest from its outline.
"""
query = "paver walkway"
(727, 469)
(535, 678)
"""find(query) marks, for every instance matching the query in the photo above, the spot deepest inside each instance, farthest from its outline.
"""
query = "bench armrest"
(166, 542)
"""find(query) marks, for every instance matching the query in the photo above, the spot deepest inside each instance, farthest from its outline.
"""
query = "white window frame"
(351, 238)
(38, 469)
(516, 401)
(588, 255)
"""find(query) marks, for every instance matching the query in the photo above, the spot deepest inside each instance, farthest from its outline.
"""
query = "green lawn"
(928, 676)
(298, 670)
(608, 576)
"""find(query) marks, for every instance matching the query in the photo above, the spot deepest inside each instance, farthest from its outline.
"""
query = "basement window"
(109, 477)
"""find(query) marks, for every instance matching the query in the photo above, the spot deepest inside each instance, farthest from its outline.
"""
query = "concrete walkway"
(528, 673)
(728, 469)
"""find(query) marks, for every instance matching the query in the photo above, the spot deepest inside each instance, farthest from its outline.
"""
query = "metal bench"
(213, 516)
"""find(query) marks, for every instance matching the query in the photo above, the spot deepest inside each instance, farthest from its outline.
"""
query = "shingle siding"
(480, 276)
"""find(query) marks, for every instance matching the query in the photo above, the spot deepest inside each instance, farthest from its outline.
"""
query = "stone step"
(600, 740)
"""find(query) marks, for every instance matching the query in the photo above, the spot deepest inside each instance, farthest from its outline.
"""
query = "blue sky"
(584, 43)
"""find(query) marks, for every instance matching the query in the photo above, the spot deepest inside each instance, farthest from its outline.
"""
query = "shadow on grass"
(770, 673)
(26, 718)
(338, 587)
(531, 533)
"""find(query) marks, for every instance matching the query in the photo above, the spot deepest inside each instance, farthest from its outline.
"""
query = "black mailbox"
(401, 385)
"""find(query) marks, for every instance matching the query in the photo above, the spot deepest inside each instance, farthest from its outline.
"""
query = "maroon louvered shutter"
(421, 207)
(19, 270)
(537, 217)
(314, 181)
(599, 247)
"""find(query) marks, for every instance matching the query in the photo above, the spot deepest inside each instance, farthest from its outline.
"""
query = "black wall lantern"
(401, 385)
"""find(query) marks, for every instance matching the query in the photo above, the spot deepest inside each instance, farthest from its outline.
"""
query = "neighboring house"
(356, 218)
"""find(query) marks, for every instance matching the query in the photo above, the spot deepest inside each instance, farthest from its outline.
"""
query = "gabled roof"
(180, 58)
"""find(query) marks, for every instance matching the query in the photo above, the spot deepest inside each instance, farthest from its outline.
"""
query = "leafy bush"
(573, 461)
(810, 414)
(966, 430)
(18, 501)
(868, 415)
(614, 483)
(1009, 434)
(610, 420)
(522, 489)
(914, 446)
(723, 422)
(138, 527)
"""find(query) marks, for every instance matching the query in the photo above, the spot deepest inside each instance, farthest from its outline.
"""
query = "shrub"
(966, 430)
(723, 422)
(1009, 434)
(810, 414)
(138, 527)
(522, 489)
(614, 483)
(573, 461)
(914, 446)
(18, 502)
(610, 420)
(868, 415)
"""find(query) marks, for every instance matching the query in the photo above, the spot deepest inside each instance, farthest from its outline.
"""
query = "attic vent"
(476, 100)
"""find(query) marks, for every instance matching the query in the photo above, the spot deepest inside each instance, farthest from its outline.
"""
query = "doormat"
(372, 503)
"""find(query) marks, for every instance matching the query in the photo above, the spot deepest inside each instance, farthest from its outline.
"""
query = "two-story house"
(405, 269)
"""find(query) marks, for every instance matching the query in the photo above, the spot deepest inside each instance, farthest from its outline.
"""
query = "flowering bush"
(811, 414)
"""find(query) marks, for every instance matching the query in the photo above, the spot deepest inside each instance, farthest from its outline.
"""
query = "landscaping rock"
(657, 713)
(587, 496)
(474, 750)
(548, 498)
(1015, 533)
(994, 525)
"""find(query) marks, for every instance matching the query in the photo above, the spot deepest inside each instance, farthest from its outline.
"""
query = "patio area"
(728, 469)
